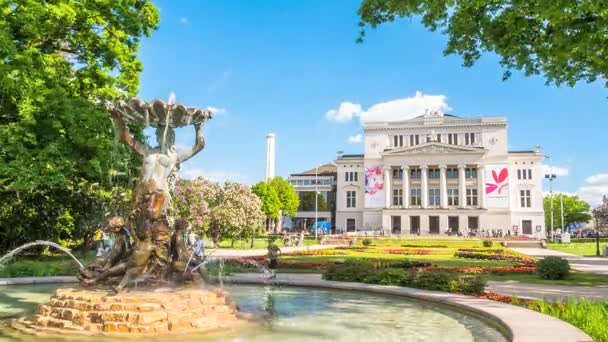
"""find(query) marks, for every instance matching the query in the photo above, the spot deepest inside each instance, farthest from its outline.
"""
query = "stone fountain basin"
(273, 313)
(157, 113)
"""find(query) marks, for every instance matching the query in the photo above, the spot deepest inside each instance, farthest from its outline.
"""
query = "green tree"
(60, 62)
(564, 41)
(287, 195)
(600, 214)
(575, 210)
(271, 203)
(307, 202)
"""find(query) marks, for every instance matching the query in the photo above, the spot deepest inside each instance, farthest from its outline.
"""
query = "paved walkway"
(242, 253)
(548, 292)
(579, 263)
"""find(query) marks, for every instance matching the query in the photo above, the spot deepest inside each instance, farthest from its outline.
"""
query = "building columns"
(406, 187)
(481, 181)
(424, 170)
(443, 187)
(387, 187)
(462, 186)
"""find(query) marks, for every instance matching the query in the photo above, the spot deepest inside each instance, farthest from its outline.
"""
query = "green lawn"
(44, 266)
(258, 243)
(578, 248)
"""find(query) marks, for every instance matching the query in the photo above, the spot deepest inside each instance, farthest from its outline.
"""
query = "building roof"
(523, 151)
(323, 170)
(350, 156)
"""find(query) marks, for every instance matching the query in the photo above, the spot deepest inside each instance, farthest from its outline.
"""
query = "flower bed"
(424, 246)
(408, 251)
(494, 255)
(488, 270)
(318, 252)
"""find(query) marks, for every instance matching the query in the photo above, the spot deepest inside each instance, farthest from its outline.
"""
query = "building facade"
(438, 174)
(322, 180)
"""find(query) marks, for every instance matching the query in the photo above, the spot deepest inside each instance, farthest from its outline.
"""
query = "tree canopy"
(564, 41)
(600, 214)
(575, 210)
(271, 204)
(60, 62)
(287, 195)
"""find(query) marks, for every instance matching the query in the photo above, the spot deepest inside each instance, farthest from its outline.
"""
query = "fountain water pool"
(297, 314)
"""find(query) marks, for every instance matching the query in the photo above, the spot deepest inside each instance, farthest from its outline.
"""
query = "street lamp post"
(551, 177)
(316, 201)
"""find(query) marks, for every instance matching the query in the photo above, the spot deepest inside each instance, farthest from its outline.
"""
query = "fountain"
(153, 286)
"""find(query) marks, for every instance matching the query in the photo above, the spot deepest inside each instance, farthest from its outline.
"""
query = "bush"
(470, 285)
(367, 241)
(391, 276)
(434, 280)
(348, 272)
(553, 268)
(487, 243)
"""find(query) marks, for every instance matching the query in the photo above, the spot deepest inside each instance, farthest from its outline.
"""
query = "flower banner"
(374, 187)
(497, 186)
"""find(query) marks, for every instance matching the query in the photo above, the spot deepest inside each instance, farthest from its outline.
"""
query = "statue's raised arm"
(125, 135)
(199, 144)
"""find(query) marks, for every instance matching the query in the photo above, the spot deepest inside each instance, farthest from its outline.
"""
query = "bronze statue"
(148, 222)
(115, 264)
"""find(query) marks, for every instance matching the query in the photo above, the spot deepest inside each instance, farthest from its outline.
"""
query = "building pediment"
(434, 148)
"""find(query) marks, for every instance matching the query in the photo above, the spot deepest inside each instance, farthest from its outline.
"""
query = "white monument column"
(481, 182)
(462, 187)
(406, 187)
(269, 156)
(424, 170)
(443, 187)
(387, 187)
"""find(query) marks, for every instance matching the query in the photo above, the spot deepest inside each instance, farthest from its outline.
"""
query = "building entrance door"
(434, 224)
(415, 225)
(473, 225)
(526, 227)
(396, 225)
(453, 224)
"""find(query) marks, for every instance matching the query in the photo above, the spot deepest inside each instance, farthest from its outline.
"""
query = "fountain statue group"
(159, 252)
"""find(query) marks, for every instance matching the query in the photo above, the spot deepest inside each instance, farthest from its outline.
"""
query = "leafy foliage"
(233, 210)
(562, 41)
(60, 61)
(271, 203)
(189, 202)
(553, 268)
(575, 210)
(600, 214)
(287, 195)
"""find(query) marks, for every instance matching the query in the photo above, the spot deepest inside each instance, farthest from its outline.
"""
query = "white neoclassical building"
(438, 173)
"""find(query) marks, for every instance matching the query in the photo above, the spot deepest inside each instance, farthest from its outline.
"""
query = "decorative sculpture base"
(99, 312)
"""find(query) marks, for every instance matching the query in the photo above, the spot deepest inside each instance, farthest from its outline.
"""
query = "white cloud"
(216, 110)
(594, 188)
(355, 139)
(392, 110)
(183, 20)
(215, 175)
(556, 170)
(345, 112)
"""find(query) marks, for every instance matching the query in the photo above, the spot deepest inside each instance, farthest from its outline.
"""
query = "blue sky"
(279, 66)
